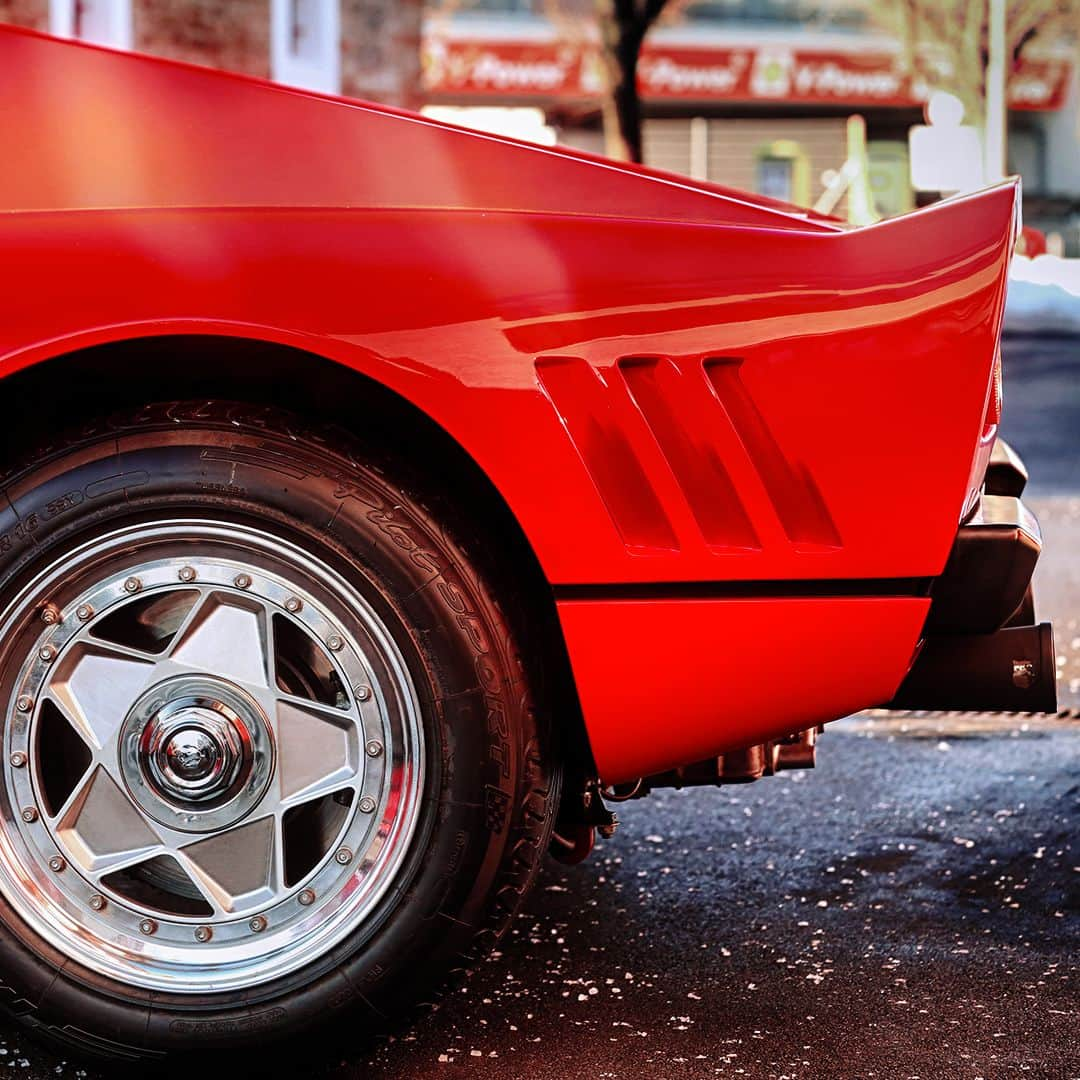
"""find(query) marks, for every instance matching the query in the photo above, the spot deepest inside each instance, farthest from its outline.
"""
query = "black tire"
(493, 778)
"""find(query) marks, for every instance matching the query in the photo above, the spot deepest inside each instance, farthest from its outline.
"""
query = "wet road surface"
(1041, 415)
(908, 909)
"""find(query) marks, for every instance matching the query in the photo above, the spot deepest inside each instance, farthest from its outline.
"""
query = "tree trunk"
(623, 26)
(622, 122)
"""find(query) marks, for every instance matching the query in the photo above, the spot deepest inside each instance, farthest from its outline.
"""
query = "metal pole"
(996, 121)
(860, 201)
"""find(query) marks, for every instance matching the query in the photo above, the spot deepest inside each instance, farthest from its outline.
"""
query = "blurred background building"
(757, 94)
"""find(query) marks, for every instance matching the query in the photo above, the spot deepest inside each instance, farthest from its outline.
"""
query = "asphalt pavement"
(1041, 416)
(907, 910)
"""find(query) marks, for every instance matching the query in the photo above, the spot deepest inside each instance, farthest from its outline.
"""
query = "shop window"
(103, 22)
(776, 178)
(306, 43)
(782, 171)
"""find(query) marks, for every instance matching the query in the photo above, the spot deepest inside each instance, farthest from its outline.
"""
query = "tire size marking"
(23, 533)
(263, 1021)
(63, 503)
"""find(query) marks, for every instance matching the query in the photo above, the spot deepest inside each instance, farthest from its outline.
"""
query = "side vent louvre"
(587, 410)
(671, 404)
(791, 488)
(673, 449)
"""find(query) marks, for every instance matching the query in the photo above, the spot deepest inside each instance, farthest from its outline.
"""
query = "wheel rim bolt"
(29, 815)
(334, 643)
(258, 924)
(363, 693)
(294, 604)
(147, 926)
(57, 864)
(203, 934)
(97, 902)
(187, 573)
(132, 585)
(307, 897)
(47, 653)
(24, 704)
(50, 614)
(343, 856)
(374, 748)
(242, 581)
(18, 759)
(84, 612)
(367, 805)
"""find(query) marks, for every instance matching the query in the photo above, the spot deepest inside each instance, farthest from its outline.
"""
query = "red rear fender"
(657, 402)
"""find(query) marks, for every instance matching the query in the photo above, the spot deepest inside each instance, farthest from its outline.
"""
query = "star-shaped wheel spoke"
(96, 686)
(228, 637)
(102, 829)
(236, 869)
(313, 750)
(318, 750)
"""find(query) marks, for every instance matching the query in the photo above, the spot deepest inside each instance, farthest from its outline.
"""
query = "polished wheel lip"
(113, 939)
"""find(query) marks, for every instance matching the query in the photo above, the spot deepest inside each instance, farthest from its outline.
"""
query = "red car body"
(739, 439)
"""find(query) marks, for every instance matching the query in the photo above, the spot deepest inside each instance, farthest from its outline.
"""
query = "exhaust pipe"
(795, 751)
(1012, 670)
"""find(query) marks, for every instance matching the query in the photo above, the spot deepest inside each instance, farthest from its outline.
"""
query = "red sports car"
(382, 500)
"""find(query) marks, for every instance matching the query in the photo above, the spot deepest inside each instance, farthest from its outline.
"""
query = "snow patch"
(1044, 296)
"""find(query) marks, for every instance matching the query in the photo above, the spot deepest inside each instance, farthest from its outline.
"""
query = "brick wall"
(734, 146)
(380, 50)
(230, 34)
(666, 144)
(380, 39)
(31, 13)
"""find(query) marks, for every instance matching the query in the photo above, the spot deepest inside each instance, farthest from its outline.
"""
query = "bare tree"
(381, 50)
(623, 26)
(946, 45)
(619, 28)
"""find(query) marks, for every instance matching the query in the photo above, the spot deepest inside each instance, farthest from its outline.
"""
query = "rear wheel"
(269, 750)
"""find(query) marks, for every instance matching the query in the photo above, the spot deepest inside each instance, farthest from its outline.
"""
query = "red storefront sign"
(1039, 84)
(569, 70)
(773, 75)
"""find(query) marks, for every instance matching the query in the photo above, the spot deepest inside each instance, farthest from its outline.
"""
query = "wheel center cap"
(193, 751)
(192, 754)
(196, 753)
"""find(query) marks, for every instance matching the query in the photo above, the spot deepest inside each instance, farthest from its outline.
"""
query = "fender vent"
(659, 439)
(587, 409)
(798, 502)
(672, 405)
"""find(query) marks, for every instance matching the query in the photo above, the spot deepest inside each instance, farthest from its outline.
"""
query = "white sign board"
(945, 158)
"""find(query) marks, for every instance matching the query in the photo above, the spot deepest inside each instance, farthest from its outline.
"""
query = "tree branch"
(653, 8)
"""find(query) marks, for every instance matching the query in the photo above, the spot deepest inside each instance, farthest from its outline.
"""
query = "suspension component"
(583, 814)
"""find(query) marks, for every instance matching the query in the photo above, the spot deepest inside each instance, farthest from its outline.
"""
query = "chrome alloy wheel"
(213, 756)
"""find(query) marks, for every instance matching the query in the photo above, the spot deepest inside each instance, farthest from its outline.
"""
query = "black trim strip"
(749, 590)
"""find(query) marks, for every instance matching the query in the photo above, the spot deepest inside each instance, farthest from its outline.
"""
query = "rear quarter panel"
(658, 402)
